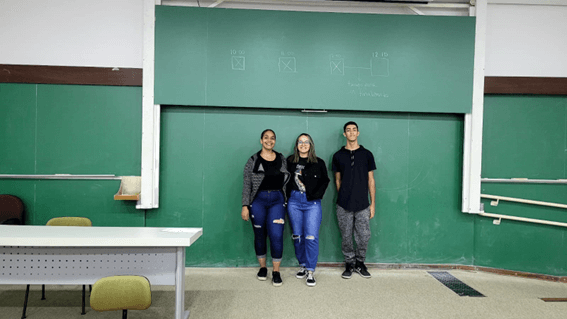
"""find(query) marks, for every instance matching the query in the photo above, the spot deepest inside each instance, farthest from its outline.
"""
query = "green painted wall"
(69, 129)
(418, 178)
(524, 137)
(313, 60)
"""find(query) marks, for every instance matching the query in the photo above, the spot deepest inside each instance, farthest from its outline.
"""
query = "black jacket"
(253, 177)
(314, 177)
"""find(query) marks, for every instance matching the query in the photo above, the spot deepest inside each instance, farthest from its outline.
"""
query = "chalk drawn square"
(338, 66)
(238, 63)
(287, 64)
(380, 67)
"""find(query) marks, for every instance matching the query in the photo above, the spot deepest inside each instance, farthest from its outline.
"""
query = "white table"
(82, 255)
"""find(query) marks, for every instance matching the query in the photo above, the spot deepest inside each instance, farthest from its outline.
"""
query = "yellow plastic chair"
(69, 221)
(61, 221)
(121, 293)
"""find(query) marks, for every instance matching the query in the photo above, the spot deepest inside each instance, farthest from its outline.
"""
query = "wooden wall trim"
(45, 74)
(525, 85)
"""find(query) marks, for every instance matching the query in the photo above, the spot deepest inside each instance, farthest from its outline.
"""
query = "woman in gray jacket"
(263, 201)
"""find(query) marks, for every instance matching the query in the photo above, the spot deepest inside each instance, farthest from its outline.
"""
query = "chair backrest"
(69, 221)
(121, 293)
(11, 210)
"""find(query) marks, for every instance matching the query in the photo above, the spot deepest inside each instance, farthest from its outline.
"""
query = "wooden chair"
(121, 293)
(11, 210)
(61, 221)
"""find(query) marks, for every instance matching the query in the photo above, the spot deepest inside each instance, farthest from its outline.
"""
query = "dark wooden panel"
(554, 299)
(45, 74)
(525, 85)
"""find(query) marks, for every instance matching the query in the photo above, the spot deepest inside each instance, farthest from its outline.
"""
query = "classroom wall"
(59, 38)
(521, 40)
(99, 33)
(524, 137)
(526, 40)
(71, 129)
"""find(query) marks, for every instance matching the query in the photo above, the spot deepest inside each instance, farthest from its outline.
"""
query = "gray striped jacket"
(253, 178)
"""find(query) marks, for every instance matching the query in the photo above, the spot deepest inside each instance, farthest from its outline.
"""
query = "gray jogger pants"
(359, 224)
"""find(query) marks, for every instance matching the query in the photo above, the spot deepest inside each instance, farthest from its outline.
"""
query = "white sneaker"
(301, 273)
(310, 279)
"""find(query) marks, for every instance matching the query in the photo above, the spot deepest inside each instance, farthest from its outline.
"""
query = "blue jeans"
(305, 219)
(267, 213)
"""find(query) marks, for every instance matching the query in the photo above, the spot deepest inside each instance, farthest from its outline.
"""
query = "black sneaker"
(276, 279)
(310, 279)
(361, 269)
(348, 271)
(301, 273)
(262, 274)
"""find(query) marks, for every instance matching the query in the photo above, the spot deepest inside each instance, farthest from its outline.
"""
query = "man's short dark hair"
(350, 123)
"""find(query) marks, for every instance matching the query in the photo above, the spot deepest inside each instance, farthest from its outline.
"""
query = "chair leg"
(83, 312)
(42, 292)
(26, 301)
(124, 314)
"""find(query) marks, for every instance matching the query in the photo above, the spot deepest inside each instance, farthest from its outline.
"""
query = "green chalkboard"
(313, 60)
(418, 182)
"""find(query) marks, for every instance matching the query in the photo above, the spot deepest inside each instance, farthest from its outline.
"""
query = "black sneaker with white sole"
(276, 279)
(301, 273)
(361, 269)
(262, 274)
(310, 279)
(348, 271)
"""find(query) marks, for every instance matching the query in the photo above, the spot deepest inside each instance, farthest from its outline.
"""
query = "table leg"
(180, 312)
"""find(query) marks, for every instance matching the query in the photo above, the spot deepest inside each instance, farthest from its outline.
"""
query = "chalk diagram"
(378, 66)
(238, 63)
(287, 64)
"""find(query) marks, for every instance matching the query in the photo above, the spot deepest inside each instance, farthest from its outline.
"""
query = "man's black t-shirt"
(354, 167)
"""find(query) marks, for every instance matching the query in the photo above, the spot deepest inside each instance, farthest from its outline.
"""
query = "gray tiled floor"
(235, 293)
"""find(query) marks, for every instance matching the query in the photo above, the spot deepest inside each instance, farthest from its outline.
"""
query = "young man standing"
(353, 166)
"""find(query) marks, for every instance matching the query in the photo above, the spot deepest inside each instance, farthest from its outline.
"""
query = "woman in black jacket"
(306, 188)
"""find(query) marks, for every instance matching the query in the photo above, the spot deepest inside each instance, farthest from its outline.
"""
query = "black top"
(273, 177)
(313, 176)
(354, 167)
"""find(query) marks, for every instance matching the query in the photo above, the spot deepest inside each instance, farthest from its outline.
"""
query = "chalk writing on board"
(287, 64)
(363, 89)
(338, 66)
(368, 93)
(238, 60)
(379, 65)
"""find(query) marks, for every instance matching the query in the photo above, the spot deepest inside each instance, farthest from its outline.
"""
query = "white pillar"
(472, 162)
(149, 195)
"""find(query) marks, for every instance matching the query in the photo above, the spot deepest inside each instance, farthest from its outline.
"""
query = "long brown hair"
(311, 156)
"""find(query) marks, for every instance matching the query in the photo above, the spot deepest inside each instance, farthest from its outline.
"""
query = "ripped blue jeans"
(305, 219)
(267, 213)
